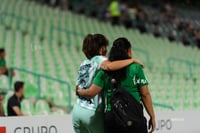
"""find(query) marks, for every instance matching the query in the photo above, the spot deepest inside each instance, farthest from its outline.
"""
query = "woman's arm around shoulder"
(116, 65)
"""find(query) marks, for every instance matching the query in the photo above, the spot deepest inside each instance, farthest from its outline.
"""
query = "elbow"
(87, 94)
(106, 67)
(91, 95)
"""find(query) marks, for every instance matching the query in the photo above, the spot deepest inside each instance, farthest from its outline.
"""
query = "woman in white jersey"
(87, 114)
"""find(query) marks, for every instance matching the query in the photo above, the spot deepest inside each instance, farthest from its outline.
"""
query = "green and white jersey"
(86, 73)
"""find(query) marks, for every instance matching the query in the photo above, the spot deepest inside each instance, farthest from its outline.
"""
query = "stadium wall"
(167, 122)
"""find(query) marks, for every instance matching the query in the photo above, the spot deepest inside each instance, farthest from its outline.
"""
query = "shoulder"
(12, 98)
(99, 59)
(84, 64)
(135, 66)
(86, 61)
(100, 73)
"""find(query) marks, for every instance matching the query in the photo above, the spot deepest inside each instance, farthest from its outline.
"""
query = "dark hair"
(18, 85)
(119, 51)
(92, 44)
(2, 50)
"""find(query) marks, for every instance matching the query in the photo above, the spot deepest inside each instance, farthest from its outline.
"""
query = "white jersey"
(86, 73)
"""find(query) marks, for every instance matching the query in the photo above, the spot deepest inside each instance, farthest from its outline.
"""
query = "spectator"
(187, 35)
(14, 102)
(64, 4)
(115, 12)
(132, 14)
(3, 68)
(2, 95)
(141, 18)
(197, 38)
(126, 18)
(131, 78)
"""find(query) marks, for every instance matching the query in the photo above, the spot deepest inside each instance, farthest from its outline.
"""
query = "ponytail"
(119, 51)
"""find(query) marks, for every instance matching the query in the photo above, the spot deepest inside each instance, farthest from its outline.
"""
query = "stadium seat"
(27, 107)
(42, 107)
(60, 55)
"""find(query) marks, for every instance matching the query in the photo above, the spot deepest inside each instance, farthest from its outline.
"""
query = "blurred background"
(43, 41)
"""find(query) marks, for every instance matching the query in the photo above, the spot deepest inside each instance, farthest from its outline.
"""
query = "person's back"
(87, 114)
(84, 115)
(14, 102)
(86, 73)
(134, 78)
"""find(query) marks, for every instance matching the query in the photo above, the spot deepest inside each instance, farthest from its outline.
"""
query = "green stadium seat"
(61, 55)
(31, 90)
(27, 107)
(42, 107)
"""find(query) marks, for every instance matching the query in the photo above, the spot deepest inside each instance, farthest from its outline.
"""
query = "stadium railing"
(19, 20)
(66, 31)
(69, 105)
(39, 77)
(51, 36)
(189, 64)
(164, 106)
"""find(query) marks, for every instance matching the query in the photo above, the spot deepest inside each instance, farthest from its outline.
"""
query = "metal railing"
(163, 106)
(39, 77)
(66, 31)
(189, 64)
(52, 28)
(18, 19)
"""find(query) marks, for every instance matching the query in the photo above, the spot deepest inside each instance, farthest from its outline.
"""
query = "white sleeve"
(101, 59)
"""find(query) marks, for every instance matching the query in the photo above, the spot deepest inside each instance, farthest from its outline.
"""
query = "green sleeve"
(142, 81)
(98, 80)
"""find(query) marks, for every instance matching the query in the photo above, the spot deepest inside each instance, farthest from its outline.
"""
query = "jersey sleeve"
(140, 78)
(98, 80)
(13, 103)
(99, 60)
